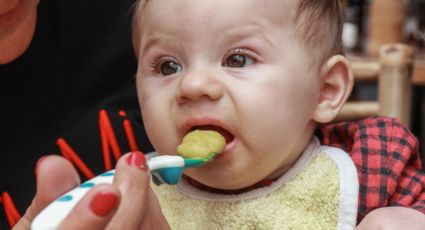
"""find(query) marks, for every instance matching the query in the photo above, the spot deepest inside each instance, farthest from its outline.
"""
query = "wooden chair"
(393, 73)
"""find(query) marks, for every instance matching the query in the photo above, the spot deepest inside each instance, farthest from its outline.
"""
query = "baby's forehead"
(213, 10)
(209, 16)
(212, 16)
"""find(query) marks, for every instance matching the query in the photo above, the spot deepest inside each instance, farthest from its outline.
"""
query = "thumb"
(55, 176)
(154, 219)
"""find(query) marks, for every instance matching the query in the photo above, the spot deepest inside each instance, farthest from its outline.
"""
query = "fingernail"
(103, 203)
(38, 164)
(137, 159)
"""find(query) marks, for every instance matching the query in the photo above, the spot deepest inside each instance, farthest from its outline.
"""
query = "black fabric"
(79, 62)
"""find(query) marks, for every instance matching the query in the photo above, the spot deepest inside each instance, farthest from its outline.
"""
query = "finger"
(154, 218)
(132, 178)
(94, 210)
(55, 176)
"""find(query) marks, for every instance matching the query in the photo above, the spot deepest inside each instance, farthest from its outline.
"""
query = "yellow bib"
(313, 199)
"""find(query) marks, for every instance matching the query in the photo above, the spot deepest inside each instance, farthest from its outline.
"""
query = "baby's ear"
(336, 82)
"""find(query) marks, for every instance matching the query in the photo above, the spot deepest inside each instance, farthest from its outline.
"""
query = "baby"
(265, 74)
(250, 70)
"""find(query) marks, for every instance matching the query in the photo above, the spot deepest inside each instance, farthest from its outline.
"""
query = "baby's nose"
(195, 85)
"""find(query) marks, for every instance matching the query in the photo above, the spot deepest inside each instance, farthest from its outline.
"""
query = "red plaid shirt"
(387, 160)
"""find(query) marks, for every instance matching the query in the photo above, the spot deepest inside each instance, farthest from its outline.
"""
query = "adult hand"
(392, 218)
(121, 205)
(55, 176)
(139, 207)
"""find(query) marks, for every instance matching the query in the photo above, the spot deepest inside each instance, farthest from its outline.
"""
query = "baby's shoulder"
(370, 135)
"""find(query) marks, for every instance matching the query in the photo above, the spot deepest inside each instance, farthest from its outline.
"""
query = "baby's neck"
(263, 183)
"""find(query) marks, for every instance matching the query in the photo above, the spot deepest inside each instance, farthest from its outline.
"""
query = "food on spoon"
(201, 144)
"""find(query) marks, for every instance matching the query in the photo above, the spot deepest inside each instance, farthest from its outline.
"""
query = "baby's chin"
(223, 183)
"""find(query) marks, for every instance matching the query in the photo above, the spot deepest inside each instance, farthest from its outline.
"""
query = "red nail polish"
(38, 164)
(137, 159)
(103, 203)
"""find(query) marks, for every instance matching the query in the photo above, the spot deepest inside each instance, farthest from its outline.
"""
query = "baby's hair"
(138, 7)
(318, 23)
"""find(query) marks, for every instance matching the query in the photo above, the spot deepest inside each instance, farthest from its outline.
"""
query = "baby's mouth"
(226, 134)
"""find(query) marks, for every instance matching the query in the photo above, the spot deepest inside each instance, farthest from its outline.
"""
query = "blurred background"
(369, 24)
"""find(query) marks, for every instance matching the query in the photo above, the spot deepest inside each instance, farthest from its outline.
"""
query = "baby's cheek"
(153, 131)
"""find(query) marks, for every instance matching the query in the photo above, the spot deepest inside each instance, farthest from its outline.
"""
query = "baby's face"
(231, 66)
(17, 24)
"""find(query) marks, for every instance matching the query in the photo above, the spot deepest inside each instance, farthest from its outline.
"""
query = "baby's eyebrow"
(151, 42)
(159, 40)
(246, 32)
(228, 36)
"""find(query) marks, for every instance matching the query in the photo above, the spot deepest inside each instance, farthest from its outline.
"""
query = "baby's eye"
(166, 67)
(169, 67)
(238, 59)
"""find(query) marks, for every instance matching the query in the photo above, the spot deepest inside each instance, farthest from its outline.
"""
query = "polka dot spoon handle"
(164, 169)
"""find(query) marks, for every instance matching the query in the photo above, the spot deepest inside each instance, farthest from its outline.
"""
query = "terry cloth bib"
(319, 192)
